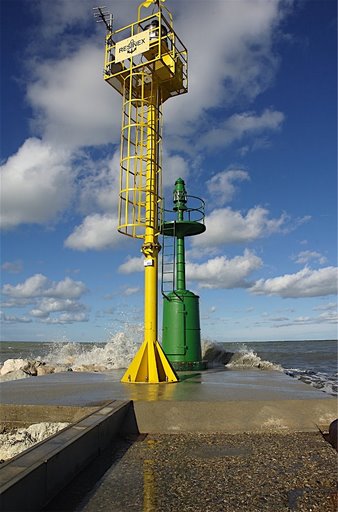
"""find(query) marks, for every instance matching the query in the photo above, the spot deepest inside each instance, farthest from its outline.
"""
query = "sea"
(311, 361)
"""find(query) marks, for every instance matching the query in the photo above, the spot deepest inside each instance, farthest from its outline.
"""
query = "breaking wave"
(247, 358)
(241, 359)
(117, 353)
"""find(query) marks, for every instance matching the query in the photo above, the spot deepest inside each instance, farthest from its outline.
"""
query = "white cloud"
(34, 286)
(99, 187)
(174, 166)
(242, 125)
(96, 232)
(305, 256)
(36, 184)
(52, 305)
(305, 283)
(221, 272)
(39, 182)
(226, 226)
(66, 289)
(324, 318)
(329, 317)
(230, 54)
(40, 286)
(14, 267)
(54, 302)
(61, 14)
(221, 186)
(14, 319)
(131, 291)
(329, 306)
(66, 318)
(72, 103)
(132, 265)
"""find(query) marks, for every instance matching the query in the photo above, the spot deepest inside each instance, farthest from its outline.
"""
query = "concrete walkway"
(215, 385)
(214, 400)
(232, 429)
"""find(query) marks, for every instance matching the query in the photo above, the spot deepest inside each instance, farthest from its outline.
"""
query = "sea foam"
(247, 358)
(116, 353)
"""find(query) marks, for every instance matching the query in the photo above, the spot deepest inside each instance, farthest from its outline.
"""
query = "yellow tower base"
(150, 365)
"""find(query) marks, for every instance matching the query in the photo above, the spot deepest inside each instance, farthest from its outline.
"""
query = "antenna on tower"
(101, 14)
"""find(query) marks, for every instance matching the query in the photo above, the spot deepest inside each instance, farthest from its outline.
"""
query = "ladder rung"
(168, 263)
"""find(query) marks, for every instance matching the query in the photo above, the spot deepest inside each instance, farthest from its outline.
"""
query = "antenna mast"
(101, 15)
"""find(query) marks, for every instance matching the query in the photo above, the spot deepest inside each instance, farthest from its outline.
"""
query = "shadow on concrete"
(79, 491)
(77, 494)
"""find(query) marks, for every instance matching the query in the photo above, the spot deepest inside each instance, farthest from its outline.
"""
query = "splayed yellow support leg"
(150, 365)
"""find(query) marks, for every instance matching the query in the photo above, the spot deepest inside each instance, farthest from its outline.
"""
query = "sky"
(255, 137)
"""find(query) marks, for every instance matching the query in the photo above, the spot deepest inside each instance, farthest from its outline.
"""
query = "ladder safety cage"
(146, 62)
(168, 276)
(140, 161)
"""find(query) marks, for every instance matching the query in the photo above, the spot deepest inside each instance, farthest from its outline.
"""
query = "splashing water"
(247, 358)
(242, 358)
(214, 353)
(117, 353)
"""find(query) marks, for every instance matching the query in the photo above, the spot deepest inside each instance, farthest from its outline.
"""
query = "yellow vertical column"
(150, 246)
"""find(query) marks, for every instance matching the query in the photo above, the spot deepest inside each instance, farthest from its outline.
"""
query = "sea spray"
(241, 358)
(247, 358)
(116, 353)
(62, 356)
(214, 353)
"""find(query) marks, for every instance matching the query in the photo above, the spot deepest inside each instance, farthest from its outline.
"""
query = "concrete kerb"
(32, 479)
(172, 417)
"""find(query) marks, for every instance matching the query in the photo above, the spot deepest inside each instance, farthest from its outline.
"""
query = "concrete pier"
(103, 411)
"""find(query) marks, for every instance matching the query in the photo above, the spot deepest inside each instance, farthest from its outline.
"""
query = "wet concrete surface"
(208, 473)
(276, 461)
(88, 389)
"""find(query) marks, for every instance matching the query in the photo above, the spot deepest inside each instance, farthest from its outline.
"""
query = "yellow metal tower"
(146, 63)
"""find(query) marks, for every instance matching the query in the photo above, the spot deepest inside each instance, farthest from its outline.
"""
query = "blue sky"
(255, 137)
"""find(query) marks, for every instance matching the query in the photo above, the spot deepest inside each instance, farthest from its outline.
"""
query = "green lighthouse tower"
(181, 336)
